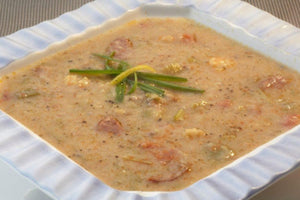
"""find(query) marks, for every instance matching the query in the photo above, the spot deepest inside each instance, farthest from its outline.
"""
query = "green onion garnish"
(162, 77)
(151, 89)
(124, 75)
(129, 71)
(96, 72)
(111, 58)
(173, 86)
(134, 85)
(120, 91)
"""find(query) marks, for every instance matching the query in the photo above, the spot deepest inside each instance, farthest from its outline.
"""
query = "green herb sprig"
(148, 82)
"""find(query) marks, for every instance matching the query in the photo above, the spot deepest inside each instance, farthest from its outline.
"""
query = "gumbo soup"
(155, 104)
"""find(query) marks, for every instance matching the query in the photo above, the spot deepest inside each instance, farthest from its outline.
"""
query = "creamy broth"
(149, 142)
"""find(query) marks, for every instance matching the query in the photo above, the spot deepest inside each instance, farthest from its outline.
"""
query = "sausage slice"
(110, 124)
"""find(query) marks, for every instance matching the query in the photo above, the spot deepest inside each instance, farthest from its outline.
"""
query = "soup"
(146, 136)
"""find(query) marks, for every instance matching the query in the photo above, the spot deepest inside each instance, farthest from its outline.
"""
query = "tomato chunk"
(276, 81)
(291, 120)
(226, 103)
(188, 38)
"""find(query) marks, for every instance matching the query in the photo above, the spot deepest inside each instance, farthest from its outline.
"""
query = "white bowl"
(64, 179)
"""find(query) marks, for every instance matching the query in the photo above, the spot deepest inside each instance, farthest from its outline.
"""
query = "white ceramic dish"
(64, 179)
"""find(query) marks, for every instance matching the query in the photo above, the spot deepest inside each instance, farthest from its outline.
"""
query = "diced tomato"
(226, 103)
(188, 38)
(254, 109)
(276, 81)
(5, 96)
(291, 120)
(165, 155)
(38, 69)
(149, 145)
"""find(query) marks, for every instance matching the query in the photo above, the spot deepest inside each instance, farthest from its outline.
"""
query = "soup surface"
(150, 142)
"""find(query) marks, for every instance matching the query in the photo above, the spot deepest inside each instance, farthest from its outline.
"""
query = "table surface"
(18, 14)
